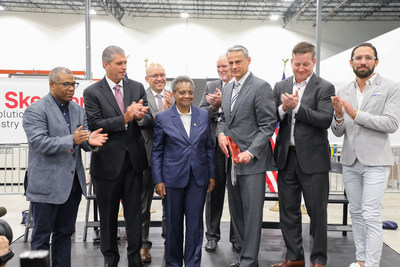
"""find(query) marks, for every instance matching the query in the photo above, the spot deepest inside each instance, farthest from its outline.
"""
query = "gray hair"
(222, 56)
(238, 48)
(181, 79)
(55, 73)
(110, 51)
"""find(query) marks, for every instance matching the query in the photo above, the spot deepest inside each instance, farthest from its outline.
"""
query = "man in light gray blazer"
(56, 129)
(249, 118)
(366, 112)
(211, 101)
(158, 100)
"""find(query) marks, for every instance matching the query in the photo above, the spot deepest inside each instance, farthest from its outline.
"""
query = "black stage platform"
(341, 250)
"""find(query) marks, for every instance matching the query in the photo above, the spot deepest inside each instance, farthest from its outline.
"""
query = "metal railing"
(14, 161)
(13, 164)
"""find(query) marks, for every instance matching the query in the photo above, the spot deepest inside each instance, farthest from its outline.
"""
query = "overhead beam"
(375, 9)
(114, 8)
(305, 5)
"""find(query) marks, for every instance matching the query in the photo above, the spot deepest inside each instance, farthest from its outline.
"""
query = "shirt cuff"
(296, 109)
(139, 122)
(252, 156)
(281, 112)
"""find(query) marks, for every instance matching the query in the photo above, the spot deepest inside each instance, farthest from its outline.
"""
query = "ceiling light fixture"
(274, 17)
(1, 8)
(92, 12)
(184, 15)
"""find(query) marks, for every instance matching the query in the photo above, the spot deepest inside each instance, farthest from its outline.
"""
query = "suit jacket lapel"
(227, 96)
(309, 93)
(352, 96)
(108, 94)
(243, 91)
(127, 94)
(368, 93)
(176, 119)
(73, 117)
(57, 113)
(220, 86)
(151, 100)
(194, 125)
(288, 88)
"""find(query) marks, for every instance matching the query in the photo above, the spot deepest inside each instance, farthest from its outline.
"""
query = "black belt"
(292, 148)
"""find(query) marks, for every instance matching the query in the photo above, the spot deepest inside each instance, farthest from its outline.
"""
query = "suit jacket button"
(72, 172)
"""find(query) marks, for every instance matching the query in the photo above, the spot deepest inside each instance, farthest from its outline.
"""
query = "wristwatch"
(6, 257)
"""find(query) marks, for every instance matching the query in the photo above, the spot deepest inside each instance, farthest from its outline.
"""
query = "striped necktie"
(235, 93)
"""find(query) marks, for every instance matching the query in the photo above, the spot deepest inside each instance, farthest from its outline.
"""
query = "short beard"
(364, 74)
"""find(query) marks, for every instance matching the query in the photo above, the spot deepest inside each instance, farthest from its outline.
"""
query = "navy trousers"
(180, 203)
(57, 221)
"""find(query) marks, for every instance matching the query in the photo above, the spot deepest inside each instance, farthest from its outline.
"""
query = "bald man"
(159, 100)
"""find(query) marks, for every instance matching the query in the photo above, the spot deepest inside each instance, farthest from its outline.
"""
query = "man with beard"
(366, 111)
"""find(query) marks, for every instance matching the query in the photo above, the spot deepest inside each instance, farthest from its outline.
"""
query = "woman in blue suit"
(183, 167)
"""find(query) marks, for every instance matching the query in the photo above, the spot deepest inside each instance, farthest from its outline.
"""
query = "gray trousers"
(246, 203)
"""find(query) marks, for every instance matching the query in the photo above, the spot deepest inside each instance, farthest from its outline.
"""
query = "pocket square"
(376, 94)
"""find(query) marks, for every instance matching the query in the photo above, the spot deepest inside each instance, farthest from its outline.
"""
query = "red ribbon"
(234, 149)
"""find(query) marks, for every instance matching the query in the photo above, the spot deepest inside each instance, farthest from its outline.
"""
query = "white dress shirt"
(186, 120)
(300, 87)
(112, 84)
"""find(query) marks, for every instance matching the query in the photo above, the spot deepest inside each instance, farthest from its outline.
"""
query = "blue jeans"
(365, 186)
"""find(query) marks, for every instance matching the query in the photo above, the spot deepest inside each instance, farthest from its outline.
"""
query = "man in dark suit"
(249, 117)
(211, 101)
(302, 155)
(183, 165)
(159, 100)
(56, 130)
(119, 106)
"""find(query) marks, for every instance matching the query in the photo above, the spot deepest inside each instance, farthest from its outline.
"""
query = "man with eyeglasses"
(119, 106)
(366, 112)
(56, 129)
(159, 99)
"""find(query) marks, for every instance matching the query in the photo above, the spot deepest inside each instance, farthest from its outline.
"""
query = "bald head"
(155, 77)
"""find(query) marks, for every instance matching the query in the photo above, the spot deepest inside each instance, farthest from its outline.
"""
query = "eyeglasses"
(367, 58)
(68, 85)
(162, 75)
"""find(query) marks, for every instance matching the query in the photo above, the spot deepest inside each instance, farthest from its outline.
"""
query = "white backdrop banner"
(16, 94)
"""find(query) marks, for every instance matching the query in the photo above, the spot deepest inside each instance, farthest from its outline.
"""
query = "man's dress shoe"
(211, 245)
(288, 263)
(145, 255)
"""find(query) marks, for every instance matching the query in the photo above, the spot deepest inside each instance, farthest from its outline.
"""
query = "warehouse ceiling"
(288, 10)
